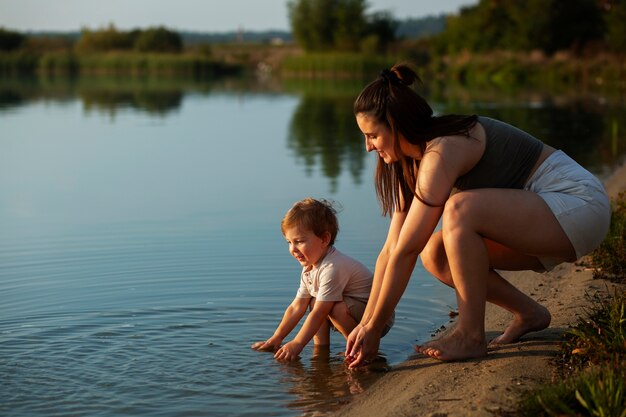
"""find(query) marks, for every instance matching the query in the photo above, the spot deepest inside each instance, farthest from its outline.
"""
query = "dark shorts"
(356, 307)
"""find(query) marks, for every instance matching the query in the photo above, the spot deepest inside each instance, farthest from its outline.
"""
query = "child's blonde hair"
(319, 216)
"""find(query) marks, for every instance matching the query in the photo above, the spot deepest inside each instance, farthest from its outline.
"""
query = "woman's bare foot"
(454, 347)
(539, 320)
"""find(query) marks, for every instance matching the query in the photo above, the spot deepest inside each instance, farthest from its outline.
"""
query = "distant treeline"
(409, 28)
(108, 51)
(504, 40)
(517, 25)
(158, 39)
(156, 50)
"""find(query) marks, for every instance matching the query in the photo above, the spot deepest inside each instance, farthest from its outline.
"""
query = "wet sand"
(491, 385)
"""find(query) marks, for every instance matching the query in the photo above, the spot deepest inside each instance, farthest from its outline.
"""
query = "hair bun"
(390, 76)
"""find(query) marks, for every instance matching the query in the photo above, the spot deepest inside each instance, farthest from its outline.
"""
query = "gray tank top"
(510, 154)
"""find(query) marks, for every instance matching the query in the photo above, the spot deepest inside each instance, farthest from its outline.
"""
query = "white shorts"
(577, 199)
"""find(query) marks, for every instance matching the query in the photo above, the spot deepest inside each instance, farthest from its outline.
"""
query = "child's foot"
(454, 347)
(539, 320)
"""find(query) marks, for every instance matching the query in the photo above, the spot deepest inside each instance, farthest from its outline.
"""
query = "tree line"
(346, 25)
(522, 25)
(545, 25)
(156, 39)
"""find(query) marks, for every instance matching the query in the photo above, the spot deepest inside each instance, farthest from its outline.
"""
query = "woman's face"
(378, 137)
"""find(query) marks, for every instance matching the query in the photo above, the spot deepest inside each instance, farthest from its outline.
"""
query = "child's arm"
(311, 326)
(292, 316)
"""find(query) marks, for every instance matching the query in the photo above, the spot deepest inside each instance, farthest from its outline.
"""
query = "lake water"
(141, 253)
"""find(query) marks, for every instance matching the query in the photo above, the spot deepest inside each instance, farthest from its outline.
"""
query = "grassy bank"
(592, 363)
(114, 63)
(509, 69)
(505, 70)
(333, 65)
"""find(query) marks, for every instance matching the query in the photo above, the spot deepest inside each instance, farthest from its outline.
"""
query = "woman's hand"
(350, 341)
(362, 346)
(289, 351)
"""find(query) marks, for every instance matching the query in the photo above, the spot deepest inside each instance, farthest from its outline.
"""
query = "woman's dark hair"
(392, 102)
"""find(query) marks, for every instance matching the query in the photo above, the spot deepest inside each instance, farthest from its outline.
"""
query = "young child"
(333, 286)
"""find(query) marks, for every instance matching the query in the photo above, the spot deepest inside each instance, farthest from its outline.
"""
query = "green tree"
(312, 23)
(381, 32)
(350, 24)
(615, 27)
(573, 24)
(108, 39)
(325, 25)
(10, 40)
(548, 25)
(158, 40)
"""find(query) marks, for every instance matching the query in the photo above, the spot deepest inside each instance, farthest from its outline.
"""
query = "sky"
(188, 15)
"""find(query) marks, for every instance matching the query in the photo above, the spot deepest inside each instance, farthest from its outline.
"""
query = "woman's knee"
(457, 207)
(460, 212)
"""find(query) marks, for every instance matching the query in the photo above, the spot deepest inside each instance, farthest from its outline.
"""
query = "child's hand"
(289, 351)
(266, 346)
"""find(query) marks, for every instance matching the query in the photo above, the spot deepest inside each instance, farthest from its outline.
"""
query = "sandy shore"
(492, 385)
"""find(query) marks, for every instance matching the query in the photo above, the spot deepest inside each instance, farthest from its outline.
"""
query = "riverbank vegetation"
(592, 363)
(575, 44)
(570, 43)
(153, 51)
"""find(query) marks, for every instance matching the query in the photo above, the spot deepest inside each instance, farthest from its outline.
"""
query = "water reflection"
(130, 233)
(323, 132)
(327, 374)
(105, 95)
(153, 102)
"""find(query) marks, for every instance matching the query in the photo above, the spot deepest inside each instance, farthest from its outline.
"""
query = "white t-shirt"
(336, 276)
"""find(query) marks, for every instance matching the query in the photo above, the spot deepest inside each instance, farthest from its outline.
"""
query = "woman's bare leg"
(528, 314)
(515, 219)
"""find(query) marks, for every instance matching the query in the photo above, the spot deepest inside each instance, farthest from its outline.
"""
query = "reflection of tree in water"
(323, 130)
(9, 98)
(153, 102)
(154, 96)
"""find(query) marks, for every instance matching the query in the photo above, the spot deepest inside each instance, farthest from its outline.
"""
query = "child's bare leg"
(321, 352)
(342, 319)
(322, 337)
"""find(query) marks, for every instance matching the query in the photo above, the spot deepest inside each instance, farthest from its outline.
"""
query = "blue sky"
(196, 15)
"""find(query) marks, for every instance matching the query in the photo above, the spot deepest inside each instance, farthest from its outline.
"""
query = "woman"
(506, 202)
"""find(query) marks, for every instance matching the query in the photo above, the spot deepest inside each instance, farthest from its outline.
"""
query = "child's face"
(305, 246)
